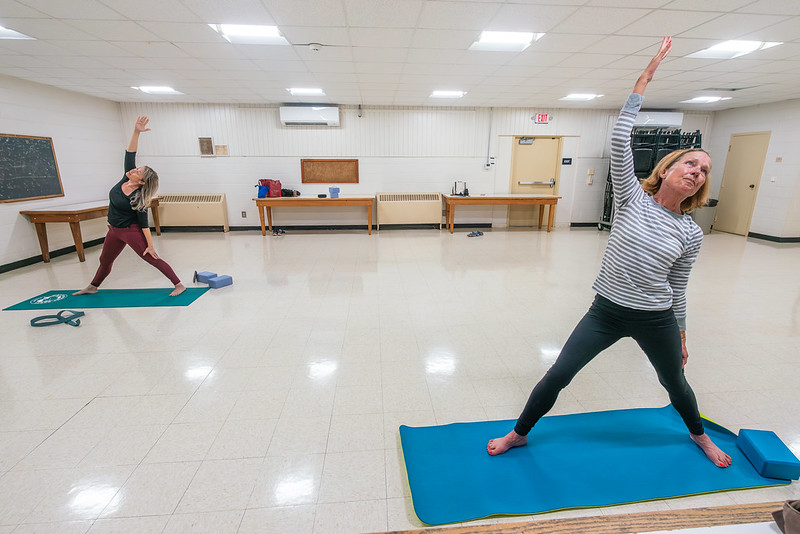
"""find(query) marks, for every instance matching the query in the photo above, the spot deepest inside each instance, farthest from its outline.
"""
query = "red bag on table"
(273, 185)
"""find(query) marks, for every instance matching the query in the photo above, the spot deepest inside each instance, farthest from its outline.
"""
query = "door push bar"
(551, 183)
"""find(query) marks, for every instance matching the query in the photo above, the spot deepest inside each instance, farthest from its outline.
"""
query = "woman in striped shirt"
(641, 287)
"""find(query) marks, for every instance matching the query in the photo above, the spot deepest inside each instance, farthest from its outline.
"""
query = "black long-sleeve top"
(120, 212)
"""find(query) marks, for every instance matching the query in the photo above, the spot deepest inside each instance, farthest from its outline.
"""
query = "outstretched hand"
(141, 124)
(650, 70)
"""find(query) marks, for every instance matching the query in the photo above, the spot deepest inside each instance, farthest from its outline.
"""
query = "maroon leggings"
(115, 241)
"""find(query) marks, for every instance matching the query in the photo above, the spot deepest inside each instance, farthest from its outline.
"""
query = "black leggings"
(604, 324)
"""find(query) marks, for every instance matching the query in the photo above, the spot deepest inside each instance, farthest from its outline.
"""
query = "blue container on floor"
(220, 281)
(768, 454)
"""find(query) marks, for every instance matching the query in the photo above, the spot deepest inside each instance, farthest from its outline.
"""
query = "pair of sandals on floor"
(476, 233)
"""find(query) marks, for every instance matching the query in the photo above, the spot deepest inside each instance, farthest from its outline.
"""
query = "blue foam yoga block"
(768, 454)
(220, 281)
(205, 276)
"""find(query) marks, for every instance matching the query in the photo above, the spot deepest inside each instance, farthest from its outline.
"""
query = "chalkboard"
(28, 168)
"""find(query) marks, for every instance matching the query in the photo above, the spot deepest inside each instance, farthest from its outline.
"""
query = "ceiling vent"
(309, 115)
(658, 119)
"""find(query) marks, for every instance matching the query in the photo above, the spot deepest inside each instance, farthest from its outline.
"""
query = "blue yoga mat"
(109, 298)
(571, 461)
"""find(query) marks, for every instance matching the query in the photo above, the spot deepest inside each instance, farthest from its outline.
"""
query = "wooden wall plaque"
(329, 171)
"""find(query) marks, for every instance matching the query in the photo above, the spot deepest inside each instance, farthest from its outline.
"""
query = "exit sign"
(541, 118)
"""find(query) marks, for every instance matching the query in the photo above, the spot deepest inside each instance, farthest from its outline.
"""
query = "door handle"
(551, 183)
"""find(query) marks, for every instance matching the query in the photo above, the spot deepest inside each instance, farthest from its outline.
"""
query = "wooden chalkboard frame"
(28, 168)
(329, 171)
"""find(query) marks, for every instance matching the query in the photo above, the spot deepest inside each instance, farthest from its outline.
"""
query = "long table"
(508, 200)
(70, 213)
(74, 214)
(266, 204)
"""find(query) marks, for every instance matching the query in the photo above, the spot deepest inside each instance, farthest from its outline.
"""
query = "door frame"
(557, 173)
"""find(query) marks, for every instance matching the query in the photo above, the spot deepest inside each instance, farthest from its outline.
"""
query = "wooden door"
(535, 165)
(740, 180)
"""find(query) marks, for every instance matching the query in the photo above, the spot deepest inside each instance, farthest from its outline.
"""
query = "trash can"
(704, 217)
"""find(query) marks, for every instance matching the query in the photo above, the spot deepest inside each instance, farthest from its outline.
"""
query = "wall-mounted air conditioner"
(658, 119)
(309, 115)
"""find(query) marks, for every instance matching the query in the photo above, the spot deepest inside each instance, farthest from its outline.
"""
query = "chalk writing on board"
(28, 168)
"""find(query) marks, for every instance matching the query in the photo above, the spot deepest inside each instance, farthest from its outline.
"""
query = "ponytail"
(142, 197)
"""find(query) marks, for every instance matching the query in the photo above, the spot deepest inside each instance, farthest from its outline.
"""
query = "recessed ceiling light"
(705, 99)
(580, 97)
(250, 34)
(157, 90)
(732, 49)
(5, 33)
(447, 94)
(307, 91)
(505, 41)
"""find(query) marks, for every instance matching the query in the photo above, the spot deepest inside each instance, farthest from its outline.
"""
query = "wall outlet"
(244, 215)
(589, 180)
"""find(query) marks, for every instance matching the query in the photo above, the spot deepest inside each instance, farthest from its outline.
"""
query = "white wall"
(89, 145)
(399, 149)
(777, 209)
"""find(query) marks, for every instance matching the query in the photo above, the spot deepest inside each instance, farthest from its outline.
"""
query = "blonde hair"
(141, 199)
(653, 182)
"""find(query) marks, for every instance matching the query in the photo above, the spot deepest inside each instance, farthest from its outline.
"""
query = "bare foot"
(88, 290)
(500, 445)
(179, 288)
(714, 453)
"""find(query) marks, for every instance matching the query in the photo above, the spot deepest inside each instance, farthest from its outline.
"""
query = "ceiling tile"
(772, 7)
(675, 23)
(529, 18)
(732, 26)
(242, 12)
(152, 10)
(307, 13)
(458, 15)
(588, 19)
(316, 34)
(381, 37)
(114, 30)
(383, 13)
(90, 9)
(185, 32)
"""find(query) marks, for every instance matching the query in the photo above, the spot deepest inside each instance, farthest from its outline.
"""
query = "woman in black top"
(128, 202)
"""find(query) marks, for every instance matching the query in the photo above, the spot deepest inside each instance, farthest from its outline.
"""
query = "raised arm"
(139, 127)
(650, 70)
(623, 178)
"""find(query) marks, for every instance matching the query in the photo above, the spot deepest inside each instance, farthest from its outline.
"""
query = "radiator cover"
(193, 210)
(409, 208)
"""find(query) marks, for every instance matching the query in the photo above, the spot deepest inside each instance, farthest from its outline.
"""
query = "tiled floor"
(273, 405)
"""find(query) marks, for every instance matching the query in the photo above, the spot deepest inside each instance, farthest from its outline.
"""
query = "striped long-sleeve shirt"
(651, 249)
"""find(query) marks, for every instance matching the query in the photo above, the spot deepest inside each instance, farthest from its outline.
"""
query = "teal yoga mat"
(571, 461)
(109, 298)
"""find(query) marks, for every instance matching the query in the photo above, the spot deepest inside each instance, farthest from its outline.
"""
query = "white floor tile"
(274, 405)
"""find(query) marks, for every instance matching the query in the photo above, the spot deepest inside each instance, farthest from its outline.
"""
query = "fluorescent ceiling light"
(5, 33)
(705, 99)
(732, 49)
(580, 97)
(447, 94)
(250, 34)
(157, 90)
(308, 91)
(505, 41)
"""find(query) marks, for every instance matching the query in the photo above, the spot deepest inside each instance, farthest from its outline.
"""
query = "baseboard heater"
(193, 210)
(409, 208)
